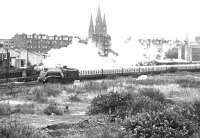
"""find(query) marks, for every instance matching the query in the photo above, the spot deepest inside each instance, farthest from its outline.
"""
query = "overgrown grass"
(5, 109)
(152, 93)
(24, 109)
(191, 83)
(96, 86)
(74, 98)
(14, 128)
(41, 93)
(53, 108)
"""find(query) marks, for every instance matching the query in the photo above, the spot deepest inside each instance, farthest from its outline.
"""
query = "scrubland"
(164, 105)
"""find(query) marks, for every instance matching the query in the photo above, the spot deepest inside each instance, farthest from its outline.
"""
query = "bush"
(53, 108)
(5, 109)
(186, 110)
(13, 128)
(123, 104)
(108, 103)
(167, 123)
(152, 93)
(141, 104)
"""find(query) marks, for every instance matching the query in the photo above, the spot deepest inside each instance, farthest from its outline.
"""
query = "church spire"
(98, 27)
(104, 24)
(91, 28)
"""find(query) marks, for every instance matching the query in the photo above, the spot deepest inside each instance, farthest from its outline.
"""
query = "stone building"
(8, 43)
(40, 43)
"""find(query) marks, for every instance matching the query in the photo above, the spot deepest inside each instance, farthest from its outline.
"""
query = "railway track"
(72, 75)
(12, 85)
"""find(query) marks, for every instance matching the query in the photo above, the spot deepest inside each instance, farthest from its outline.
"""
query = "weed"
(167, 123)
(13, 128)
(5, 109)
(192, 83)
(74, 98)
(53, 108)
(24, 109)
(42, 93)
(152, 93)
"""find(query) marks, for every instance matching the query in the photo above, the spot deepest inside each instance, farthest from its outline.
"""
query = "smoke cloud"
(85, 56)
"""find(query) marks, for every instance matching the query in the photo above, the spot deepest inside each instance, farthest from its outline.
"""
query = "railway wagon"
(136, 71)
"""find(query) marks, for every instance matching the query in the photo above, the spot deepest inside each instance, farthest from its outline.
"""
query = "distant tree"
(172, 53)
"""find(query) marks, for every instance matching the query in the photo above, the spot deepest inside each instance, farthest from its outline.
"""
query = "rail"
(12, 85)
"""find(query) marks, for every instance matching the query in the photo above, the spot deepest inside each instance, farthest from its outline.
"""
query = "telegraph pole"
(7, 64)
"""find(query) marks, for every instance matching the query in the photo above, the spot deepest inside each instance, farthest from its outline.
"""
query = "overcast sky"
(151, 18)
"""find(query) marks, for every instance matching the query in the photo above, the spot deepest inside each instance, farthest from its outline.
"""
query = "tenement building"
(98, 33)
(40, 42)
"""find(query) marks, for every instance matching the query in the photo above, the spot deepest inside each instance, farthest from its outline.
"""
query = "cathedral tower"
(100, 27)
(99, 23)
(104, 25)
(91, 28)
(98, 33)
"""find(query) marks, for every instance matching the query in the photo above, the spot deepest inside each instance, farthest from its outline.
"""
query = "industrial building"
(19, 58)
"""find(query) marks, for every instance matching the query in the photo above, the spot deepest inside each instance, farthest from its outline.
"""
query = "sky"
(141, 18)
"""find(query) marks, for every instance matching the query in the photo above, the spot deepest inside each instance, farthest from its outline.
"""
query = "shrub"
(13, 128)
(123, 104)
(167, 123)
(108, 103)
(5, 109)
(141, 104)
(53, 108)
(186, 110)
(152, 93)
